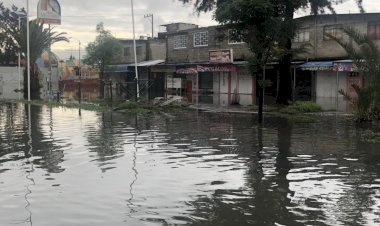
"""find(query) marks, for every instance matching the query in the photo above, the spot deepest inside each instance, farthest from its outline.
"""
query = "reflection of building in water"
(71, 73)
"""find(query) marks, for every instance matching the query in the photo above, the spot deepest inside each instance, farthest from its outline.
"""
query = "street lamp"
(134, 47)
(151, 20)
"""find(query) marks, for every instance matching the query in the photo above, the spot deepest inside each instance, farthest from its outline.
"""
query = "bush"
(300, 107)
(129, 105)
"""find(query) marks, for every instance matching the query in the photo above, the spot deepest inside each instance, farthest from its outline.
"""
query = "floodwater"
(65, 167)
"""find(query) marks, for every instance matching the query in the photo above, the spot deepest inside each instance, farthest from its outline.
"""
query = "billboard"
(49, 12)
(221, 56)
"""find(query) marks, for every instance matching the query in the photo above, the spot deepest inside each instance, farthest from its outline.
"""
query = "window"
(201, 39)
(127, 51)
(374, 30)
(302, 36)
(180, 41)
(234, 37)
(335, 31)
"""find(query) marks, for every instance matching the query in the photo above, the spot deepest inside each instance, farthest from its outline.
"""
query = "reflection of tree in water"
(265, 199)
(43, 145)
(16, 137)
(9, 130)
(106, 140)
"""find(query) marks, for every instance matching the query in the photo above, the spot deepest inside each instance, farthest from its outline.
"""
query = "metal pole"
(294, 83)
(337, 88)
(50, 71)
(28, 46)
(19, 61)
(152, 27)
(80, 75)
(134, 47)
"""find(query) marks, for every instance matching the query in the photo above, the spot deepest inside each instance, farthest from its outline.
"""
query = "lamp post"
(19, 15)
(134, 47)
(151, 20)
(28, 47)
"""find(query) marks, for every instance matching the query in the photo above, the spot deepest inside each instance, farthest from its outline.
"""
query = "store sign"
(343, 66)
(49, 12)
(216, 68)
(208, 68)
(187, 71)
(221, 56)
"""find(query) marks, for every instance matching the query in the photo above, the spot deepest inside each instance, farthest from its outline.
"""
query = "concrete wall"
(45, 78)
(9, 82)
(156, 49)
(128, 51)
(328, 49)
(150, 49)
(192, 54)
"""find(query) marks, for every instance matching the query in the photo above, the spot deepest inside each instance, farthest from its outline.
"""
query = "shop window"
(374, 30)
(201, 39)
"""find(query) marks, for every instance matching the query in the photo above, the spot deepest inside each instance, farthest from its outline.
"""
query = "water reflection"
(179, 168)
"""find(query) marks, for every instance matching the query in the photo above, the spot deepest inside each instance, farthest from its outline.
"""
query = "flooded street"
(62, 167)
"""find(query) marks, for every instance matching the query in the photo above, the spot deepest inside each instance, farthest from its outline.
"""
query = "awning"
(147, 63)
(317, 66)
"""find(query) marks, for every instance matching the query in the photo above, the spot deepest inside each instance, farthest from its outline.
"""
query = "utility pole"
(28, 47)
(134, 47)
(151, 20)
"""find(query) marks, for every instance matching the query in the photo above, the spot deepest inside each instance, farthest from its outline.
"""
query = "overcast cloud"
(79, 18)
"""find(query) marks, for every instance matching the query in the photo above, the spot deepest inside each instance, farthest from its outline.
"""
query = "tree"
(365, 55)
(8, 51)
(105, 50)
(40, 40)
(235, 14)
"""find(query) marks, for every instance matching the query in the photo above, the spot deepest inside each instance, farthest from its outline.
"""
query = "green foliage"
(129, 105)
(369, 136)
(300, 107)
(105, 50)
(40, 40)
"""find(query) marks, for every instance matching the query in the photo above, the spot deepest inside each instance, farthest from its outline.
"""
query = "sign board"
(49, 12)
(344, 66)
(221, 56)
(173, 83)
(216, 68)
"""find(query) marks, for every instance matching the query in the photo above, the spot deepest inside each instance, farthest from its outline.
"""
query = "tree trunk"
(34, 83)
(285, 86)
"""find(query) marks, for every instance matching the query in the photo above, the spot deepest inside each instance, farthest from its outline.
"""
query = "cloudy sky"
(79, 17)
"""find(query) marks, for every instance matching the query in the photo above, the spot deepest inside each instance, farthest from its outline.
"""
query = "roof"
(148, 63)
(126, 67)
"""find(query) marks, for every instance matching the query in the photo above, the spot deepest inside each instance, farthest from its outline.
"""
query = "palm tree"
(40, 40)
(365, 55)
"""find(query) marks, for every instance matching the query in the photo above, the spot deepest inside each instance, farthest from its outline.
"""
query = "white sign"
(49, 12)
(174, 83)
